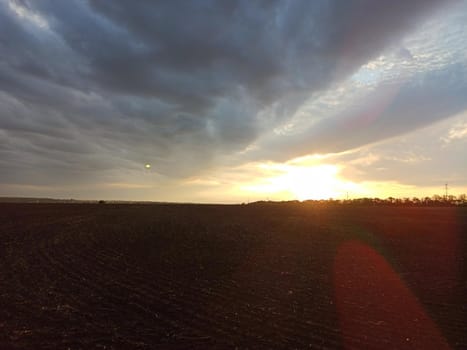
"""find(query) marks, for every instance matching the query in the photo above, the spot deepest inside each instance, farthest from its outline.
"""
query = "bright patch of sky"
(436, 44)
(26, 14)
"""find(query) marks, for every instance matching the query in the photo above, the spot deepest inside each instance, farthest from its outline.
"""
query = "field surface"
(109, 276)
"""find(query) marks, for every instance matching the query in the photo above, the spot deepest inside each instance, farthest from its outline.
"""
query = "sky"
(232, 101)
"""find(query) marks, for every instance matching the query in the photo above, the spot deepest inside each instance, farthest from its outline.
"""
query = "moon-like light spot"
(147, 166)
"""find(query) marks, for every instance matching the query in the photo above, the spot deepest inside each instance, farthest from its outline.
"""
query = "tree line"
(435, 200)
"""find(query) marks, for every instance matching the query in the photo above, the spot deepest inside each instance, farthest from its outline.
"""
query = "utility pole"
(446, 192)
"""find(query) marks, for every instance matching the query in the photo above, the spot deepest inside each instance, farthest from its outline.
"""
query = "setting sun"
(317, 182)
(301, 180)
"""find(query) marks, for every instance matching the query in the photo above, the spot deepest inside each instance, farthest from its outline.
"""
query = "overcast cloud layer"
(90, 91)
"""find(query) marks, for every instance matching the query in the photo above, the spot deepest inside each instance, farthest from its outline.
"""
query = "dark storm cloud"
(189, 52)
(117, 84)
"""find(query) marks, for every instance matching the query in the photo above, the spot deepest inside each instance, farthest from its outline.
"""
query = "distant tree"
(452, 198)
(378, 201)
(427, 200)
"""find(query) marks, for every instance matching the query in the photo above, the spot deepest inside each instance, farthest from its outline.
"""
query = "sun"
(315, 182)
(298, 180)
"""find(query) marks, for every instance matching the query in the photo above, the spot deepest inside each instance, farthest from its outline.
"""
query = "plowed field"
(89, 276)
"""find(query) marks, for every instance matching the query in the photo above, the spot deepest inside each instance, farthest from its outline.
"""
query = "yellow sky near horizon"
(310, 177)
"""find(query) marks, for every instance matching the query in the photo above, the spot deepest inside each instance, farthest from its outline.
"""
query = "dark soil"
(108, 276)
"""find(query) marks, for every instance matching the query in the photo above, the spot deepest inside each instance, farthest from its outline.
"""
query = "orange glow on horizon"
(307, 178)
(318, 182)
(302, 182)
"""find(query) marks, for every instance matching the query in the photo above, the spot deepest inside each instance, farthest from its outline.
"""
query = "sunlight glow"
(298, 181)
(318, 182)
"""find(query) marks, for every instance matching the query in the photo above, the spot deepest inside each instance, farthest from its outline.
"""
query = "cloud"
(420, 158)
(457, 132)
(390, 109)
(91, 91)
